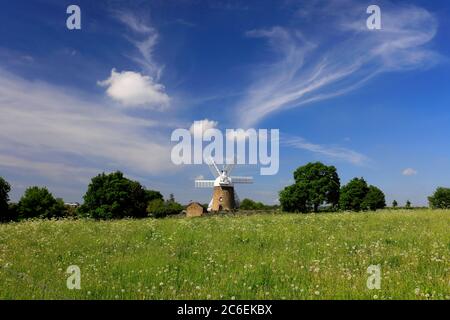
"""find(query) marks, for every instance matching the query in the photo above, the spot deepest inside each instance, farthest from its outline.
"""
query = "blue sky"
(374, 103)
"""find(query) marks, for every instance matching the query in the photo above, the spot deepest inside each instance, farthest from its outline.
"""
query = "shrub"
(112, 196)
(155, 206)
(248, 204)
(159, 208)
(71, 212)
(5, 188)
(40, 203)
(440, 199)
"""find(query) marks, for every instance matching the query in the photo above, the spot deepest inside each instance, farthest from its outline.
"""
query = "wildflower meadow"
(256, 256)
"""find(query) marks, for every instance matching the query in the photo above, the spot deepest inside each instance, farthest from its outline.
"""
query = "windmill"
(224, 196)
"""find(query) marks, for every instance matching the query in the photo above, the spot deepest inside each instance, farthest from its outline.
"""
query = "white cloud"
(203, 125)
(134, 89)
(409, 172)
(62, 131)
(314, 67)
(332, 152)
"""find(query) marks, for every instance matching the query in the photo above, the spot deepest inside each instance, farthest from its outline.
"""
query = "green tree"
(153, 195)
(40, 203)
(5, 188)
(408, 204)
(440, 199)
(12, 214)
(294, 198)
(155, 207)
(374, 199)
(353, 195)
(112, 196)
(394, 204)
(321, 183)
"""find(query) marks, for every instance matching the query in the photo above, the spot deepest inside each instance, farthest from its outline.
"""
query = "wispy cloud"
(53, 127)
(139, 89)
(183, 22)
(409, 172)
(330, 152)
(315, 66)
(228, 5)
(49, 170)
(144, 38)
(12, 57)
(134, 23)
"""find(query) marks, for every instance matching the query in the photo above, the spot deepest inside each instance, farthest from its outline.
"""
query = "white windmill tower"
(224, 196)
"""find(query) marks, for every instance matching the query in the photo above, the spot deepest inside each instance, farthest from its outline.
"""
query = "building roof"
(197, 203)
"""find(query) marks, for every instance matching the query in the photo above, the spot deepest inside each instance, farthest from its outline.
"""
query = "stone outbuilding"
(195, 209)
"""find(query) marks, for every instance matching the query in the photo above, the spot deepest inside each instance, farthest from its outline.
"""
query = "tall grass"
(260, 256)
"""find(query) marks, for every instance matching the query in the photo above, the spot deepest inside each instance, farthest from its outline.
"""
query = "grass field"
(259, 256)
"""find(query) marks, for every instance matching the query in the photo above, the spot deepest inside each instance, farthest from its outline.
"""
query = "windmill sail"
(213, 167)
(204, 183)
(246, 180)
(228, 168)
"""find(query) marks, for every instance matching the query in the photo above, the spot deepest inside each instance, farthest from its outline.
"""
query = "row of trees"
(35, 203)
(112, 196)
(407, 204)
(109, 196)
(317, 187)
